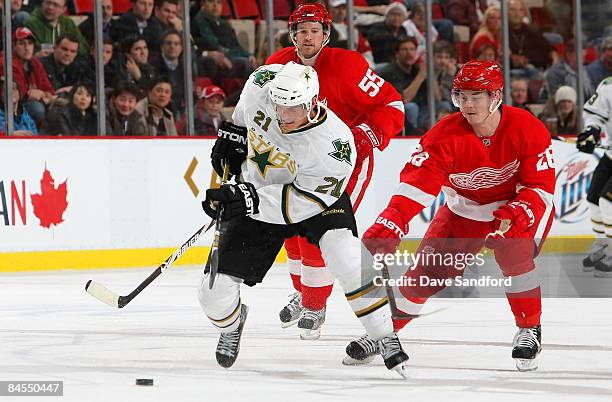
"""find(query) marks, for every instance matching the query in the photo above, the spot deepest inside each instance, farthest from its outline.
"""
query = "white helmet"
(295, 84)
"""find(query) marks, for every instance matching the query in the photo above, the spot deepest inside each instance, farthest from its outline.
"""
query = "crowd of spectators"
(54, 66)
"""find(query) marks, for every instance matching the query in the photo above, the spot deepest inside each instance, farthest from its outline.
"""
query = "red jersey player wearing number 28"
(374, 111)
(495, 167)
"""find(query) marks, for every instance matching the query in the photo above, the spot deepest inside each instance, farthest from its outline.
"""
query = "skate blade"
(402, 370)
(602, 274)
(310, 334)
(526, 364)
(349, 361)
(289, 324)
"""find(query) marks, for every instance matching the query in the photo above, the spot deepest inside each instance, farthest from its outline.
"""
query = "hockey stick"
(109, 297)
(213, 259)
(574, 141)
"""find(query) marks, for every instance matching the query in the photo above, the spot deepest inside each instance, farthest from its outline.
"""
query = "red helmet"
(313, 12)
(479, 76)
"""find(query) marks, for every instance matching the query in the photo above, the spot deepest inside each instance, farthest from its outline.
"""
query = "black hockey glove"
(237, 199)
(588, 139)
(230, 147)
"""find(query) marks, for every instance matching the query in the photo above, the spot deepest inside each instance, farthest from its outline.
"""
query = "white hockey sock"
(342, 254)
(596, 219)
(221, 303)
(606, 211)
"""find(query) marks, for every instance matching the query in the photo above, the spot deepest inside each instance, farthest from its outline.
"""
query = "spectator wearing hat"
(122, 118)
(48, 23)
(23, 124)
(560, 115)
(208, 115)
(35, 90)
(384, 35)
(339, 32)
(602, 67)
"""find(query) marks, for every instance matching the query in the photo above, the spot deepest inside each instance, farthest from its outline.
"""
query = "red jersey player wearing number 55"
(374, 111)
(495, 167)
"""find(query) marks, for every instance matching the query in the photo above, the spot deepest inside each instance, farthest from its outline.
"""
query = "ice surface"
(51, 329)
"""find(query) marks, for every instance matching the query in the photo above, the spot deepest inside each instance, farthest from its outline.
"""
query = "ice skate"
(360, 351)
(603, 268)
(292, 311)
(526, 347)
(596, 253)
(392, 353)
(310, 323)
(229, 343)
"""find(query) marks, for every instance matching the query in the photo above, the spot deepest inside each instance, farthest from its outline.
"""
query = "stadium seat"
(246, 9)
(245, 32)
(226, 11)
(281, 10)
(121, 6)
(83, 6)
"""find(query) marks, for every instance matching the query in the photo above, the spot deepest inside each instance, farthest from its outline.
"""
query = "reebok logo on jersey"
(389, 224)
(484, 177)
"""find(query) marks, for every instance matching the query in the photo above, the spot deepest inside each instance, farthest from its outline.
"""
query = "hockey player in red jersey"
(495, 166)
(374, 111)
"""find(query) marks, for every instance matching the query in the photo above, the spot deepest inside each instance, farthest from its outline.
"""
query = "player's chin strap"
(313, 120)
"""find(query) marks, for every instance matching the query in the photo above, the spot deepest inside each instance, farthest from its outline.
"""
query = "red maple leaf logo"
(51, 203)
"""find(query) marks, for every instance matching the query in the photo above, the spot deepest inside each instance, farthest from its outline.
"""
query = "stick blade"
(102, 293)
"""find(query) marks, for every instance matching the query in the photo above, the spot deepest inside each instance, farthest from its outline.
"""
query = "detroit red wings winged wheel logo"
(50, 205)
(484, 177)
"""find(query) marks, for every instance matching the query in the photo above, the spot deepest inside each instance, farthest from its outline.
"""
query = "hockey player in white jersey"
(290, 180)
(597, 117)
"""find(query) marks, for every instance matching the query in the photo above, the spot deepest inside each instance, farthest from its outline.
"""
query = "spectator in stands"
(339, 32)
(564, 73)
(486, 52)
(63, 67)
(110, 64)
(445, 68)
(384, 35)
(35, 90)
(155, 116)
(370, 14)
(19, 17)
(489, 33)
(77, 116)
(133, 63)
(166, 12)
(466, 12)
(223, 56)
(602, 67)
(23, 124)
(560, 115)
(139, 21)
(208, 115)
(122, 118)
(519, 92)
(48, 23)
(443, 26)
(170, 64)
(409, 79)
(87, 27)
(415, 27)
(529, 50)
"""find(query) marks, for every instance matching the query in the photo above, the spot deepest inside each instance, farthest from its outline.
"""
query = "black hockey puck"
(144, 381)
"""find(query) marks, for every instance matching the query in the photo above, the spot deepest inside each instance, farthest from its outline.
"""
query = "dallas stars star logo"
(262, 160)
(342, 152)
(262, 76)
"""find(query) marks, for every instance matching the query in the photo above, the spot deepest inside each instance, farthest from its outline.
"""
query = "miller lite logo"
(572, 185)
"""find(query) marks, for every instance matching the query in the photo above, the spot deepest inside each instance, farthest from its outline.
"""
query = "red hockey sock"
(315, 298)
(297, 282)
(526, 307)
